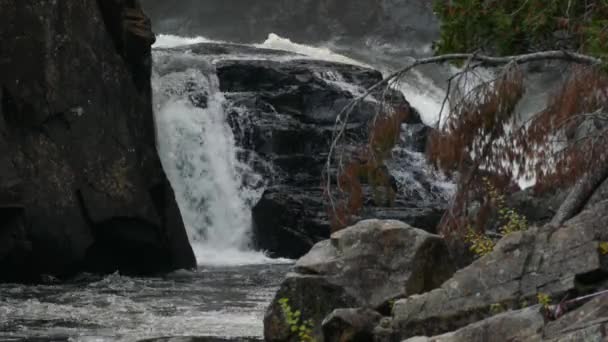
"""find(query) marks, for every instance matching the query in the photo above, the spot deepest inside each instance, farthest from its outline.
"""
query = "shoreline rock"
(366, 265)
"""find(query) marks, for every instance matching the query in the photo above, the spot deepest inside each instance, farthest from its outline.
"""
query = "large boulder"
(556, 261)
(81, 186)
(367, 265)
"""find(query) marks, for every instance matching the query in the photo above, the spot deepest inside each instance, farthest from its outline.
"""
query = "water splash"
(277, 42)
(214, 189)
(170, 41)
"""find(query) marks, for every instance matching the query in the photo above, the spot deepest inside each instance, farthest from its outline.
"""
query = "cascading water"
(198, 147)
(214, 189)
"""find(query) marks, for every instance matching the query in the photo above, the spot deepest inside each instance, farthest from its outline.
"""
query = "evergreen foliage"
(558, 146)
(517, 26)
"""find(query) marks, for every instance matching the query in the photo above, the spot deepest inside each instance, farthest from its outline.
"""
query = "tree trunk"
(580, 193)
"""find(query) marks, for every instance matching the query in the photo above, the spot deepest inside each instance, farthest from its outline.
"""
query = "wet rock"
(356, 325)
(282, 109)
(366, 265)
(556, 261)
(81, 186)
(289, 221)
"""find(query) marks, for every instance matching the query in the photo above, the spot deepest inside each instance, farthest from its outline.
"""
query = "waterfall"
(214, 189)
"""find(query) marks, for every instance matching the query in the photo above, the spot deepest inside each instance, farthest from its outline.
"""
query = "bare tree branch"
(343, 116)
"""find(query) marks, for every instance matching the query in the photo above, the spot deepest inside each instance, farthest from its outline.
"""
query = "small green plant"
(497, 308)
(603, 248)
(296, 324)
(512, 220)
(544, 300)
(480, 244)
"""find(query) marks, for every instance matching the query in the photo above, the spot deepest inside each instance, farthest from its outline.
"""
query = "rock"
(538, 209)
(587, 323)
(555, 261)
(289, 221)
(367, 265)
(313, 296)
(601, 194)
(364, 260)
(81, 186)
(522, 325)
(350, 325)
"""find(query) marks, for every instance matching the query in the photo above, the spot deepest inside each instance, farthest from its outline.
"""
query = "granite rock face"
(557, 261)
(81, 186)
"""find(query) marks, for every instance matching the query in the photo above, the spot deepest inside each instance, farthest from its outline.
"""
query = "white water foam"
(199, 154)
(420, 91)
(227, 302)
(170, 41)
(276, 42)
(425, 96)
